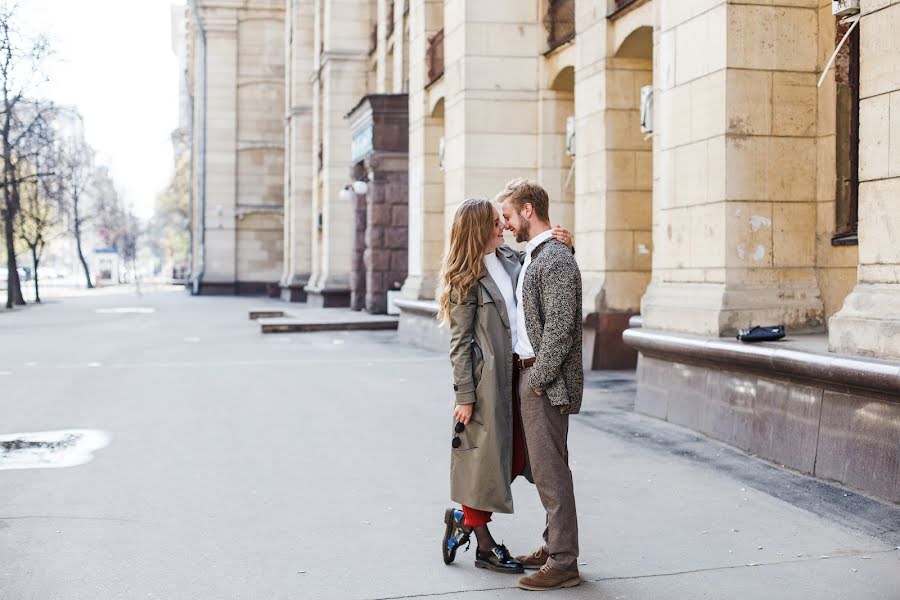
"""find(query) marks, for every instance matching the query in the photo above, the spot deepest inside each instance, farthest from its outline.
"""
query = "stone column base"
(603, 348)
(293, 292)
(333, 297)
(419, 325)
(293, 288)
(419, 287)
(239, 288)
(869, 322)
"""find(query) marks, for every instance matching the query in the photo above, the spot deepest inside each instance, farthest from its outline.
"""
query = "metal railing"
(559, 22)
(435, 56)
(617, 6)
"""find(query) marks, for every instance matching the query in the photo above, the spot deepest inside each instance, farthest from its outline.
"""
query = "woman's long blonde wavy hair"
(463, 265)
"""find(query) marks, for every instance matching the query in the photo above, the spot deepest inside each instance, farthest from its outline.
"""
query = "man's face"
(515, 221)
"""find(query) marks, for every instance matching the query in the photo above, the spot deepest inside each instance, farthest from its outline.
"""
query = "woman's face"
(496, 239)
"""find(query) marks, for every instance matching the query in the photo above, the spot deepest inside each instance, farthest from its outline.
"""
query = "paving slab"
(327, 319)
(316, 467)
(265, 313)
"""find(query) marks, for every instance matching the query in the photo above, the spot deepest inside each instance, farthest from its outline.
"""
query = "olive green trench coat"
(481, 356)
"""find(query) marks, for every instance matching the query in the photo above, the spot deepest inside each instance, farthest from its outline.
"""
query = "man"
(551, 382)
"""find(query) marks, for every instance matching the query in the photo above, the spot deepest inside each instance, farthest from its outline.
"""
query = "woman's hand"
(463, 412)
(563, 235)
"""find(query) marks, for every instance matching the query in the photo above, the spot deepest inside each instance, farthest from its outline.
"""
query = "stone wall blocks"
(772, 37)
(879, 222)
(791, 167)
(748, 234)
(708, 233)
(396, 238)
(707, 110)
(691, 174)
(700, 45)
(677, 13)
(859, 443)
(894, 135)
(793, 237)
(880, 40)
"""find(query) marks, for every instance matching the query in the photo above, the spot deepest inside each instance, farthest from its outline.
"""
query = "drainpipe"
(201, 33)
(190, 188)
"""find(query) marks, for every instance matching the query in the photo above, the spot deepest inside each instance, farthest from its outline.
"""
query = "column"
(343, 69)
(299, 153)
(734, 192)
(259, 216)
(491, 54)
(613, 177)
(869, 322)
(221, 24)
(426, 180)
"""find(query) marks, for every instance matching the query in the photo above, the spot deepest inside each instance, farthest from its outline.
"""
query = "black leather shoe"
(498, 559)
(455, 534)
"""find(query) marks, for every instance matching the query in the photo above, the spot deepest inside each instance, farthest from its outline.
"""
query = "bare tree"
(20, 74)
(40, 208)
(76, 165)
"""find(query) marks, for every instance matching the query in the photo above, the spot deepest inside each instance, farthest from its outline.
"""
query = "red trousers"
(474, 517)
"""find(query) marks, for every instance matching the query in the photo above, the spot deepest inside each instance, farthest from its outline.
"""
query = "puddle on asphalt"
(50, 449)
(124, 310)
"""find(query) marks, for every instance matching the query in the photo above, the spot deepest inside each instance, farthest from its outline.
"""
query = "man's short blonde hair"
(521, 191)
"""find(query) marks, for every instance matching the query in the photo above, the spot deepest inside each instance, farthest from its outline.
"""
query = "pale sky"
(114, 61)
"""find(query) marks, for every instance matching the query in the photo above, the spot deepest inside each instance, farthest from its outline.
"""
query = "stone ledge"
(839, 371)
(419, 325)
(349, 322)
(420, 307)
(835, 417)
(265, 313)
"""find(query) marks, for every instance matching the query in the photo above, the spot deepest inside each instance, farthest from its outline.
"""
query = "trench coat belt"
(522, 364)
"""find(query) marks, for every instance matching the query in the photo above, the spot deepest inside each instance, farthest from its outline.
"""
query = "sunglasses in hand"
(460, 427)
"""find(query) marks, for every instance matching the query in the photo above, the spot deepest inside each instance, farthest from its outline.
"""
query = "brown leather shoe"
(535, 560)
(549, 578)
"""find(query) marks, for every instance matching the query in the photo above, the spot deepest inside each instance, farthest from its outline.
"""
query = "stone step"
(350, 322)
(265, 313)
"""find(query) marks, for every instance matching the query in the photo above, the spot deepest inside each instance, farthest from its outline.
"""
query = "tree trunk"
(19, 299)
(13, 287)
(87, 271)
(34, 261)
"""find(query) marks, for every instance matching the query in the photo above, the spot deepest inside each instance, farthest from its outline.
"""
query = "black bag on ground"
(768, 333)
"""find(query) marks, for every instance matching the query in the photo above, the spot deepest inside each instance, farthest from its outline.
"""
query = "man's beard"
(522, 233)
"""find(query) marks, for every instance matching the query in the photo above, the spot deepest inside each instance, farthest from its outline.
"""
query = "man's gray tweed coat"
(551, 294)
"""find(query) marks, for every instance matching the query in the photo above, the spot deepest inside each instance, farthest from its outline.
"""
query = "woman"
(477, 299)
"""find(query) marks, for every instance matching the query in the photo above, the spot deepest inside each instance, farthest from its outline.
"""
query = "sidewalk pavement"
(314, 466)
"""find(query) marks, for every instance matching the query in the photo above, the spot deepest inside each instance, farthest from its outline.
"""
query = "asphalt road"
(315, 466)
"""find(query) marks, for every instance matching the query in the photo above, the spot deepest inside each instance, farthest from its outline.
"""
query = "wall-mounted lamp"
(647, 111)
(360, 187)
(346, 194)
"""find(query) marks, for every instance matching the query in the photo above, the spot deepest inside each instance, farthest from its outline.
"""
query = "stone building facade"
(713, 182)
(238, 144)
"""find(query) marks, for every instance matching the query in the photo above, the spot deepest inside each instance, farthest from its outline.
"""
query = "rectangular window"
(847, 139)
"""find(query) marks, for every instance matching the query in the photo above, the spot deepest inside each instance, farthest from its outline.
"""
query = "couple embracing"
(515, 327)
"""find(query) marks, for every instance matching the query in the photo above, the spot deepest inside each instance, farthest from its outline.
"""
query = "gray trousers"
(546, 431)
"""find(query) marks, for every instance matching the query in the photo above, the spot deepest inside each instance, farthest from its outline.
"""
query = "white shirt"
(503, 281)
(522, 345)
